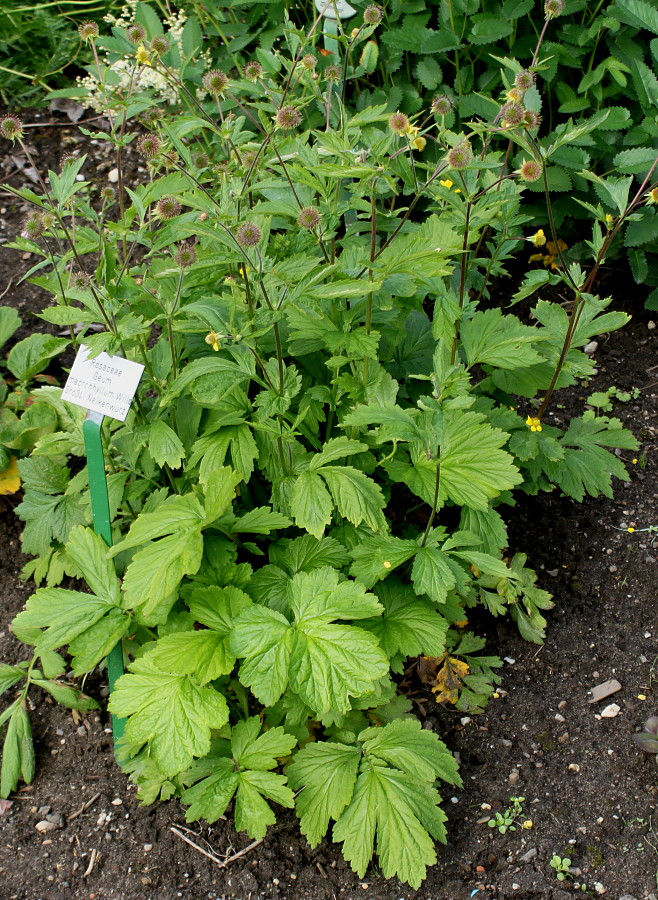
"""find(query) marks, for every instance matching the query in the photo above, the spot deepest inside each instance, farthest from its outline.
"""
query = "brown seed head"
(159, 45)
(524, 80)
(531, 119)
(88, 31)
(441, 105)
(136, 33)
(288, 118)
(167, 207)
(398, 123)
(248, 234)
(11, 128)
(530, 170)
(185, 256)
(308, 217)
(252, 70)
(215, 82)
(32, 226)
(460, 156)
(333, 73)
(553, 8)
(372, 15)
(309, 61)
(511, 114)
(149, 146)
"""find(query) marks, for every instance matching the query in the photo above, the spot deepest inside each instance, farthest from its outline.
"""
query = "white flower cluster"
(125, 17)
(131, 77)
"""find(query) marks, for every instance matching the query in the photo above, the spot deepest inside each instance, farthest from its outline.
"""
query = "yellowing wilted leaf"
(10, 480)
(449, 680)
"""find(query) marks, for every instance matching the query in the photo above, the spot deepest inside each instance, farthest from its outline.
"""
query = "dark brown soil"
(589, 792)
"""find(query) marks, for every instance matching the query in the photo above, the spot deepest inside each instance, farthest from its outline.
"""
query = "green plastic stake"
(100, 509)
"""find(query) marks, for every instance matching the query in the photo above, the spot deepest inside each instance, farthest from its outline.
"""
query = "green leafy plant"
(333, 415)
(508, 819)
(23, 418)
(562, 865)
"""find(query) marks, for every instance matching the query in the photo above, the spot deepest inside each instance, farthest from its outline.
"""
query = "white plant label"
(329, 8)
(105, 384)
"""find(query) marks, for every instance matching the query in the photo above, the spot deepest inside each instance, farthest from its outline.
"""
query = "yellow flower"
(411, 130)
(609, 219)
(652, 196)
(533, 423)
(419, 143)
(446, 183)
(213, 339)
(143, 55)
(538, 238)
(630, 530)
(527, 824)
(515, 95)
(387, 564)
(634, 461)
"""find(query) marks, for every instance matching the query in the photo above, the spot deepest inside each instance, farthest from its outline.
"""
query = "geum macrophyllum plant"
(307, 490)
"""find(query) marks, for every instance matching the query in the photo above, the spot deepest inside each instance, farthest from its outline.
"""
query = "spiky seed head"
(332, 73)
(11, 128)
(531, 119)
(460, 156)
(511, 114)
(252, 70)
(308, 217)
(524, 80)
(215, 82)
(398, 123)
(185, 256)
(553, 8)
(441, 105)
(80, 281)
(288, 118)
(88, 31)
(108, 194)
(66, 158)
(248, 234)
(149, 146)
(373, 14)
(309, 61)
(136, 33)
(160, 45)
(530, 170)
(48, 220)
(167, 207)
(32, 226)
(200, 159)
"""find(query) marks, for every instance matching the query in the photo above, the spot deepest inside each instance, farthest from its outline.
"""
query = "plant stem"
(435, 502)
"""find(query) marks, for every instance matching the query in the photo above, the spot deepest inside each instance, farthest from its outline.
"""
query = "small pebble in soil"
(610, 711)
(148, 848)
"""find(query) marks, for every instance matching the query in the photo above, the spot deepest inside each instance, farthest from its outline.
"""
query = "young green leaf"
(410, 625)
(173, 714)
(246, 775)
(327, 773)
(203, 653)
(165, 446)
(324, 663)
